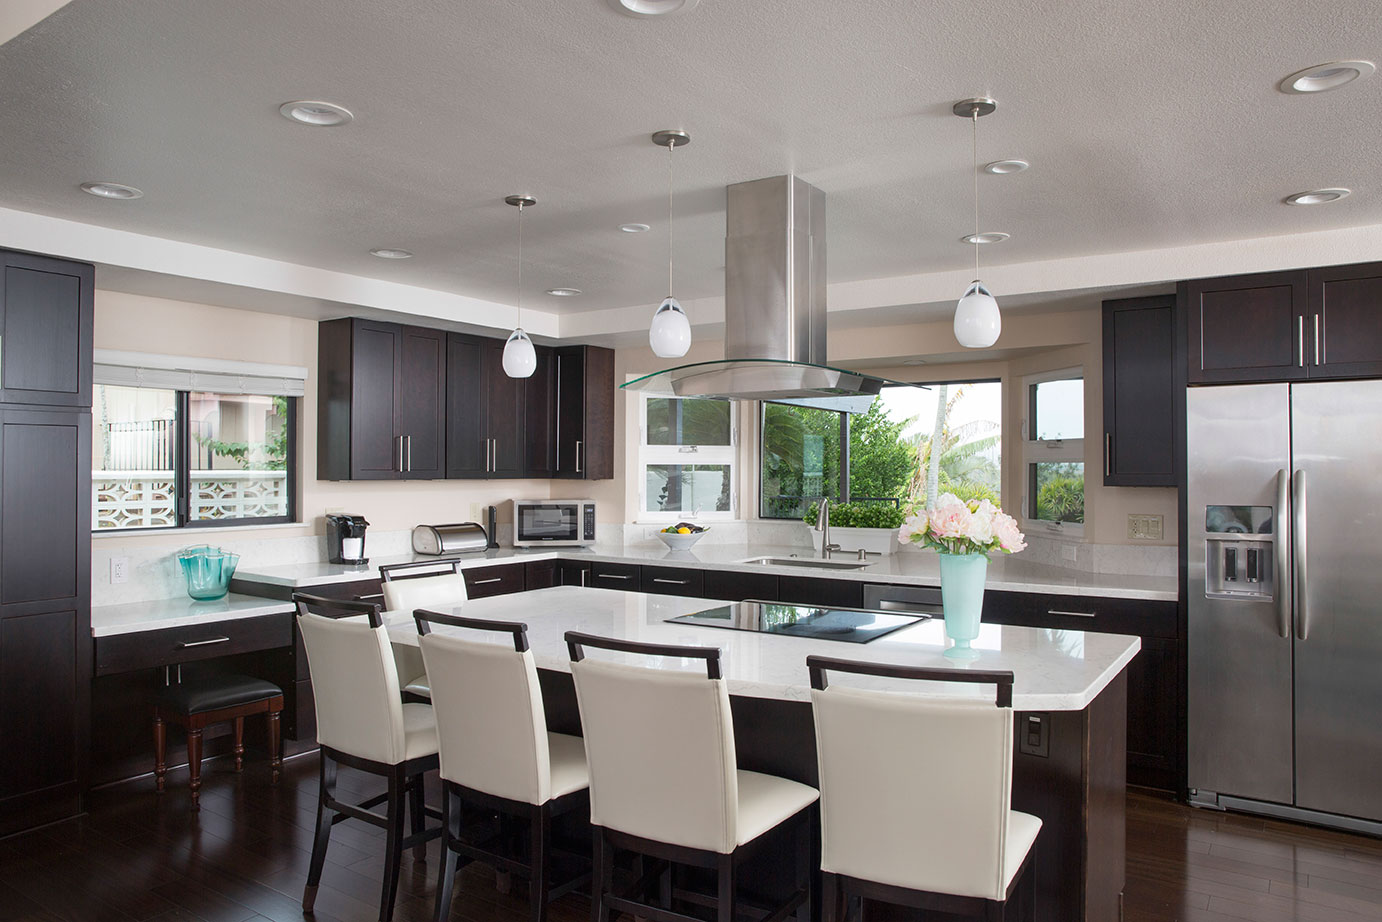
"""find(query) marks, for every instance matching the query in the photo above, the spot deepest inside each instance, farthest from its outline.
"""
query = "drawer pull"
(674, 582)
(202, 643)
(613, 576)
(1074, 614)
(496, 579)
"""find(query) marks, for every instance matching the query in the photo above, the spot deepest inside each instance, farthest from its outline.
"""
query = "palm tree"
(960, 452)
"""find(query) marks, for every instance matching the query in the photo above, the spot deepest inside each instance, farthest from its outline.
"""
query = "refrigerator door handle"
(1302, 580)
(1283, 555)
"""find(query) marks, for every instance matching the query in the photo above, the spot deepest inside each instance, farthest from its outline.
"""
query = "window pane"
(801, 458)
(889, 453)
(687, 421)
(1058, 409)
(688, 488)
(239, 456)
(132, 455)
(1058, 487)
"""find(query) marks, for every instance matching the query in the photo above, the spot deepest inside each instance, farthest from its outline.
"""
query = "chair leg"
(1027, 895)
(393, 851)
(806, 880)
(416, 816)
(451, 830)
(725, 891)
(831, 898)
(275, 747)
(194, 766)
(160, 752)
(326, 793)
(601, 877)
(239, 744)
(539, 862)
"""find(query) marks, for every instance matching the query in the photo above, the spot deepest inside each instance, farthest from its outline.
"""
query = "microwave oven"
(553, 522)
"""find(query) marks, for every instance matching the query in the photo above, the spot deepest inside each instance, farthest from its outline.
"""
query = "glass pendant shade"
(520, 358)
(977, 323)
(670, 333)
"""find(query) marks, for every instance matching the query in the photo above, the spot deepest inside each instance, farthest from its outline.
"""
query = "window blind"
(183, 373)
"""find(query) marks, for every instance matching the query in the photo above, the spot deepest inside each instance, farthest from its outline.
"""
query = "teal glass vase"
(962, 599)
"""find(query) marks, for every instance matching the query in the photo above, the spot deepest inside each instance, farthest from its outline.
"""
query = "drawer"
(483, 582)
(1138, 617)
(736, 587)
(149, 649)
(672, 581)
(614, 576)
(914, 599)
(806, 590)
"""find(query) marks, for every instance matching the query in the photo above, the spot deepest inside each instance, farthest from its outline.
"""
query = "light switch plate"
(1145, 527)
(1069, 552)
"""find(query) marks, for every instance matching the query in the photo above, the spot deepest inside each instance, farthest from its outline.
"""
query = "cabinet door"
(1247, 328)
(1152, 731)
(597, 445)
(573, 573)
(806, 590)
(375, 401)
(467, 451)
(736, 587)
(570, 407)
(43, 705)
(45, 330)
(504, 425)
(422, 410)
(45, 507)
(539, 574)
(539, 429)
(1345, 322)
(1139, 392)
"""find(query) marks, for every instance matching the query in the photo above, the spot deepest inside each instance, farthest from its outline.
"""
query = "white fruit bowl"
(680, 542)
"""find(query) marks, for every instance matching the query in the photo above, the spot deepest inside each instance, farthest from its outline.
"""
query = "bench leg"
(194, 766)
(275, 746)
(160, 752)
(239, 744)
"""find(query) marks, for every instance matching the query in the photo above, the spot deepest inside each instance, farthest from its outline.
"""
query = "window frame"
(1035, 450)
(182, 471)
(677, 454)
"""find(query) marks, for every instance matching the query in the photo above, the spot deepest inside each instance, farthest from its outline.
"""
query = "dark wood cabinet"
(672, 581)
(540, 417)
(584, 412)
(540, 574)
(1345, 322)
(573, 573)
(808, 590)
(496, 427)
(381, 401)
(736, 587)
(614, 576)
(45, 330)
(1153, 712)
(501, 579)
(1139, 392)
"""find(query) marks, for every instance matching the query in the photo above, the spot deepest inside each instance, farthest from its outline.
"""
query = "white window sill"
(204, 530)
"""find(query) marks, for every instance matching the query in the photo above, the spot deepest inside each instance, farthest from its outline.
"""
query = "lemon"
(683, 531)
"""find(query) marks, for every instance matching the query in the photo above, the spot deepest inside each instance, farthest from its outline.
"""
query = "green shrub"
(859, 515)
(1061, 500)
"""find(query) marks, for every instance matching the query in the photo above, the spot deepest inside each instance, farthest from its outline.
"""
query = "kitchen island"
(1069, 695)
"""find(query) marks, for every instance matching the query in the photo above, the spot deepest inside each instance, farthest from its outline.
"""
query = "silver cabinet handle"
(482, 582)
(202, 643)
(1073, 614)
(1302, 556)
(1282, 555)
(578, 456)
(584, 573)
(556, 412)
(408, 448)
(612, 576)
(1300, 335)
(399, 440)
(1108, 454)
(674, 582)
(494, 454)
(1317, 339)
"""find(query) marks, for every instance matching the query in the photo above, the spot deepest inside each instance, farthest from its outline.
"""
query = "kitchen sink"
(814, 563)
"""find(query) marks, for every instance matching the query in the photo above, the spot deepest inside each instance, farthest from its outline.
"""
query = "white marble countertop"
(1052, 670)
(920, 568)
(129, 617)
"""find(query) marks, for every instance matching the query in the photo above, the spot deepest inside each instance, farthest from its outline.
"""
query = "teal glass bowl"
(208, 571)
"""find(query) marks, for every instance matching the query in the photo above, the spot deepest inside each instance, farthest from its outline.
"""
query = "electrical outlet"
(119, 570)
(333, 510)
(1145, 527)
(1069, 552)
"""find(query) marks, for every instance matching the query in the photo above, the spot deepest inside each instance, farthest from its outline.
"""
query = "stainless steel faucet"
(823, 526)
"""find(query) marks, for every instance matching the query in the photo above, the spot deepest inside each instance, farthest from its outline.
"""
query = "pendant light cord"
(519, 309)
(974, 150)
(671, 146)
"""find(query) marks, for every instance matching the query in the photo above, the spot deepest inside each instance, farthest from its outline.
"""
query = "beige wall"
(142, 324)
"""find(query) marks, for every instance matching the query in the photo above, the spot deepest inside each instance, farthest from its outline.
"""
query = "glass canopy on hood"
(779, 380)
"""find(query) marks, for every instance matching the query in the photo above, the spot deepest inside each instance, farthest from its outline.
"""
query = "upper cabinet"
(496, 426)
(45, 330)
(1139, 392)
(585, 412)
(381, 401)
(1286, 326)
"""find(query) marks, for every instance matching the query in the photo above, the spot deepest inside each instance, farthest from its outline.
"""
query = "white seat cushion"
(419, 687)
(1022, 832)
(419, 731)
(569, 769)
(767, 800)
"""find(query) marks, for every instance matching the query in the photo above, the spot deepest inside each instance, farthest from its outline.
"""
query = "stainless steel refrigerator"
(1284, 521)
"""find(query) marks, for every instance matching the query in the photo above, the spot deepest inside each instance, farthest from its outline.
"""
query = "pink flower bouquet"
(958, 527)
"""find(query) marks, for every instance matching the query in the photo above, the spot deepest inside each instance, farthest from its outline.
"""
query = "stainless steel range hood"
(774, 308)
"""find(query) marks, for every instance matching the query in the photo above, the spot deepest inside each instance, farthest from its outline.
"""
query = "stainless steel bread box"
(450, 539)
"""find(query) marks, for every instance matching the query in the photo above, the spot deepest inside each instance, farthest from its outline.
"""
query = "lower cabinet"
(806, 590)
(540, 574)
(672, 581)
(483, 582)
(614, 576)
(737, 587)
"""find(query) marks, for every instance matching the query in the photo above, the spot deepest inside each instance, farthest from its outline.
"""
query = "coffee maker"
(345, 538)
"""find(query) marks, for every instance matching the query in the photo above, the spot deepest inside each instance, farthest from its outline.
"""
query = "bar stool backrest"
(915, 791)
(660, 745)
(446, 590)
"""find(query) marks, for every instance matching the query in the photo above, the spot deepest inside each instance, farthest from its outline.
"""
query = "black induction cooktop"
(845, 624)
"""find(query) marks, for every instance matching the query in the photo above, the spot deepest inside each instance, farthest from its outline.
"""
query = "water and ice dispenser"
(1239, 558)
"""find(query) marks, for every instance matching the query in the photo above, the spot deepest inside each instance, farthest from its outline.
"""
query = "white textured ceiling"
(1148, 124)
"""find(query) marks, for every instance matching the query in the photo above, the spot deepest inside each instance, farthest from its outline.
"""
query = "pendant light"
(977, 323)
(520, 358)
(670, 332)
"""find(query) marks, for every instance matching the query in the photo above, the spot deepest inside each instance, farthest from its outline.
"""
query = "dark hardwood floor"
(138, 856)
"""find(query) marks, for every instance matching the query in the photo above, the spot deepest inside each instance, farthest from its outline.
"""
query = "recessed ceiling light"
(634, 228)
(1324, 77)
(391, 253)
(1004, 167)
(315, 113)
(987, 237)
(1317, 196)
(111, 190)
(563, 292)
(643, 8)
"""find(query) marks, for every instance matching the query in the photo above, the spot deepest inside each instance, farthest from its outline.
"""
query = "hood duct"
(774, 308)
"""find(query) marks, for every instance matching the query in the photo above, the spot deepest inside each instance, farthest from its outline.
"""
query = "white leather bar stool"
(408, 587)
(497, 754)
(363, 723)
(664, 783)
(916, 795)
